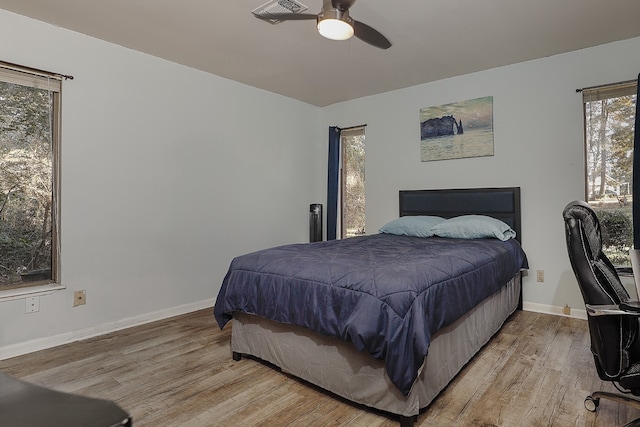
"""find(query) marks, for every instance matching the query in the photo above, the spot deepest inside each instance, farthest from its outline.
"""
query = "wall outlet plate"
(32, 305)
(79, 298)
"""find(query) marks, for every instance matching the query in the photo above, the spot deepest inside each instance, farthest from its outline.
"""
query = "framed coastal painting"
(457, 130)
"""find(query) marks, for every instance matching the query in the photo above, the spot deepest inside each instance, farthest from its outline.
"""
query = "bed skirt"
(336, 366)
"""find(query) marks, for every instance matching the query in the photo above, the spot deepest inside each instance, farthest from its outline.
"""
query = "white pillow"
(474, 227)
(418, 226)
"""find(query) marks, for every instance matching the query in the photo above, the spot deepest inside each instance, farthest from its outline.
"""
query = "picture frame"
(457, 130)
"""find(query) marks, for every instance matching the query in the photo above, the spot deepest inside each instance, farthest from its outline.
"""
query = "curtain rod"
(354, 127)
(45, 73)
(626, 82)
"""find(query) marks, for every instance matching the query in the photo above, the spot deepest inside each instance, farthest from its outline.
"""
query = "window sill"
(627, 272)
(31, 291)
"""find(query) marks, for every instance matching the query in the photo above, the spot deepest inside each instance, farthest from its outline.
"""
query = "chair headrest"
(596, 275)
(581, 211)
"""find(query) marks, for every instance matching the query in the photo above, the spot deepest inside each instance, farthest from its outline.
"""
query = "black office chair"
(23, 404)
(612, 316)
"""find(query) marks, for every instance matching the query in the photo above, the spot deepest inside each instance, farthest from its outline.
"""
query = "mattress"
(385, 294)
(338, 367)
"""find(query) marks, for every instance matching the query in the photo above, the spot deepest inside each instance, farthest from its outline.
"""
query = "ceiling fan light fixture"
(335, 24)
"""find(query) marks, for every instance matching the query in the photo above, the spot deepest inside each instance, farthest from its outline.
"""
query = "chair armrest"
(628, 308)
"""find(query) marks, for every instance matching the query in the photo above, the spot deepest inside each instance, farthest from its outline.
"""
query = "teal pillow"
(417, 226)
(474, 227)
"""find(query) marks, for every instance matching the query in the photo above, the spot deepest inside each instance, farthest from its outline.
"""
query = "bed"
(383, 320)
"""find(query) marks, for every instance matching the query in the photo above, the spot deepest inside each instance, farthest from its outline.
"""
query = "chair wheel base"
(591, 404)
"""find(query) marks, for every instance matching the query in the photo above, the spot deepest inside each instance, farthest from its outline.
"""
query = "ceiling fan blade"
(286, 16)
(370, 35)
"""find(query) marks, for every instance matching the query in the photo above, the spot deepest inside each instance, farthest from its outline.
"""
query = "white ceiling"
(432, 39)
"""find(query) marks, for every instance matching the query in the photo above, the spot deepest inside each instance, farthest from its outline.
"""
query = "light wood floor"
(178, 372)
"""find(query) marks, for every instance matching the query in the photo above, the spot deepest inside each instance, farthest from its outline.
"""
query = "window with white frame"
(29, 176)
(609, 114)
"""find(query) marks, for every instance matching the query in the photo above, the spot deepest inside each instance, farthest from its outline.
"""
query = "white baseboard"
(19, 349)
(14, 350)
(578, 313)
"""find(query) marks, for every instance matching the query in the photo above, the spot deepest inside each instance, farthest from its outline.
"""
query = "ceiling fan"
(334, 22)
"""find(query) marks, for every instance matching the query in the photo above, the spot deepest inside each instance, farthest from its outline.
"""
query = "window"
(609, 113)
(29, 176)
(352, 182)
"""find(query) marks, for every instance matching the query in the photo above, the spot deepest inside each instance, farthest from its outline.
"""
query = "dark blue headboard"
(500, 203)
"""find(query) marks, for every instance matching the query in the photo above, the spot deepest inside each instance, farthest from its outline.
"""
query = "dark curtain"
(636, 173)
(332, 184)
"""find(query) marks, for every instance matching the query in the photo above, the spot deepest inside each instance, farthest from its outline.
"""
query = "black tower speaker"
(315, 222)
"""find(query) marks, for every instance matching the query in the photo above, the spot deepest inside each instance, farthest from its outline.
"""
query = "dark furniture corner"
(611, 315)
(23, 404)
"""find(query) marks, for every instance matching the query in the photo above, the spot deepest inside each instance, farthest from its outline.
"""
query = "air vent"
(278, 7)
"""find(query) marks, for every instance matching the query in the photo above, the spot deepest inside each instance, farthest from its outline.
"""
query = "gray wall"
(167, 174)
(538, 145)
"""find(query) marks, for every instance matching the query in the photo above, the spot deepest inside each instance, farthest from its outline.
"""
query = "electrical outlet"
(566, 310)
(32, 305)
(540, 275)
(79, 298)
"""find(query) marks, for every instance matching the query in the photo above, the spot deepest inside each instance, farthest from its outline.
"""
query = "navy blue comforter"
(386, 294)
